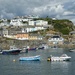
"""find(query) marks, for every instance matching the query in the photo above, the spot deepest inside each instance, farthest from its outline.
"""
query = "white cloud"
(52, 8)
(6, 14)
(68, 13)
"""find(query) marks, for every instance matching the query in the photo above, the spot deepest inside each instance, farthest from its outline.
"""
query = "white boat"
(72, 50)
(63, 57)
(30, 58)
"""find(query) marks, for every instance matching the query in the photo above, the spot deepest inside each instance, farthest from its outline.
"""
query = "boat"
(30, 58)
(43, 46)
(24, 49)
(40, 48)
(63, 57)
(73, 50)
(0, 51)
(32, 49)
(13, 50)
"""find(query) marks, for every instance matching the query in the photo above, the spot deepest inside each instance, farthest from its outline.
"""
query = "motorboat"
(30, 58)
(13, 50)
(73, 50)
(63, 57)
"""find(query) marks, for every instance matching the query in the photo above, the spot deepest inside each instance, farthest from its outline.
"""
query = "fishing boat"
(13, 50)
(63, 57)
(30, 58)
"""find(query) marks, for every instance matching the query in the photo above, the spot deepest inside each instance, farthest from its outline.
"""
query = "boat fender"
(49, 59)
(14, 60)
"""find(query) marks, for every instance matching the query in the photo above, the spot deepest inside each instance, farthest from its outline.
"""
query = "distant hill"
(63, 26)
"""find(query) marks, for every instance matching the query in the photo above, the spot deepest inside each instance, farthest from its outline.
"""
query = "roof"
(72, 32)
(55, 36)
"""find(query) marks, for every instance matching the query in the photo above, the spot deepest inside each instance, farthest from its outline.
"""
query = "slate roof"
(56, 36)
(72, 32)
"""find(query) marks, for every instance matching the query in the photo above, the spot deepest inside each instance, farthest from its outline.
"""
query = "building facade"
(56, 40)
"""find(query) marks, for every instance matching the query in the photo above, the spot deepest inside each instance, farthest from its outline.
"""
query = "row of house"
(24, 36)
(28, 23)
(12, 30)
(56, 39)
(23, 21)
(18, 28)
(22, 25)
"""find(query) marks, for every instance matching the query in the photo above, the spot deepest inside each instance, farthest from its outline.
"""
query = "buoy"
(48, 59)
(14, 60)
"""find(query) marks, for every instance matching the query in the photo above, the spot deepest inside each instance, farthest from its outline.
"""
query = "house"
(38, 23)
(21, 21)
(41, 22)
(56, 39)
(72, 33)
(22, 36)
(31, 29)
(32, 37)
(14, 30)
(16, 22)
(26, 36)
(4, 31)
(35, 37)
(72, 36)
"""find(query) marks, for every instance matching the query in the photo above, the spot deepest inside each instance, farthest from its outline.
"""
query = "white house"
(31, 29)
(38, 22)
(33, 23)
(56, 39)
(19, 21)
(16, 22)
(41, 22)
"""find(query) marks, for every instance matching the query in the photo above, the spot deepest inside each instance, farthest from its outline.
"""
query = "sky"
(60, 9)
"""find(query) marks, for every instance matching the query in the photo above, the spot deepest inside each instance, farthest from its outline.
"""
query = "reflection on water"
(30, 62)
(62, 67)
(42, 67)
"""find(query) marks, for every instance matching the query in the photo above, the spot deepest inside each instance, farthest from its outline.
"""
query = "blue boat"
(32, 49)
(31, 58)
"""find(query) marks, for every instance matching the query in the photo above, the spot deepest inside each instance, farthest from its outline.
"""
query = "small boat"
(31, 58)
(24, 49)
(40, 47)
(0, 52)
(13, 50)
(63, 57)
(31, 49)
(72, 50)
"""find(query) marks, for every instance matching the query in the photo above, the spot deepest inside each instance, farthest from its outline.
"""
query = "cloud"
(52, 8)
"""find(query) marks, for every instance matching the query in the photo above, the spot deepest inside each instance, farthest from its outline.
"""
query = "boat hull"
(32, 58)
(41, 48)
(31, 49)
(12, 52)
(62, 58)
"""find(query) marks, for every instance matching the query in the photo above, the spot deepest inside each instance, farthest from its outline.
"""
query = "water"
(43, 67)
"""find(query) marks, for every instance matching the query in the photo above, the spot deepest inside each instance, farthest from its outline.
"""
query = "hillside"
(63, 26)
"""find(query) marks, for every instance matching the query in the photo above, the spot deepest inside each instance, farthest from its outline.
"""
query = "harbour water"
(10, 64)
